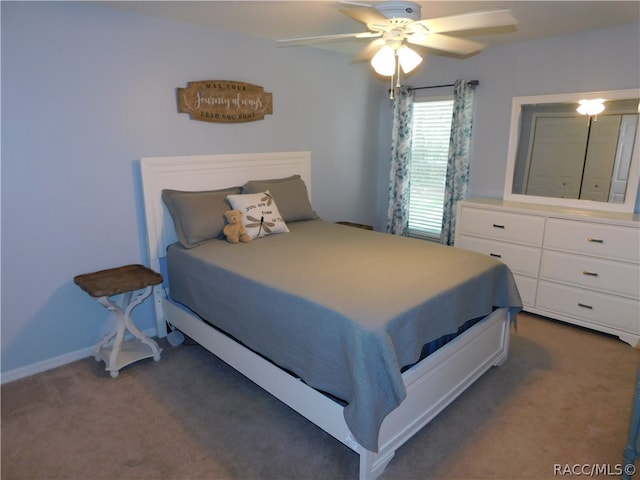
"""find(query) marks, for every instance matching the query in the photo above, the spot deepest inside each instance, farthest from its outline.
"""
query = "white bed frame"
(431, 385)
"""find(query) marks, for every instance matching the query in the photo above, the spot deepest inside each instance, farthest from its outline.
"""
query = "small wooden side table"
(114, 350)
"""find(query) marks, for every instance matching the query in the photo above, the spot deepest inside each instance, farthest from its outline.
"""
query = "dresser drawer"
(609, 241)
(512, 227)
(595, 273)
(527, 287)
(519, 258)
(599, 308)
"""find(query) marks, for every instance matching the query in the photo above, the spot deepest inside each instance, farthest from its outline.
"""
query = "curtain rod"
(470, 82)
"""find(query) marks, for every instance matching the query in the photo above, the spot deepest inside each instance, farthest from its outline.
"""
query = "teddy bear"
(234, 229)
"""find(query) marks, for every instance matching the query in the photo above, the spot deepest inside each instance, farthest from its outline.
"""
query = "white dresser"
(578, 266)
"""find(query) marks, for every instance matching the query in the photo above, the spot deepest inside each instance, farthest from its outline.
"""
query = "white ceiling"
(273, 20)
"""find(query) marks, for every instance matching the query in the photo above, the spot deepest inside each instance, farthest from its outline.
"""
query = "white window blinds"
(429, 153)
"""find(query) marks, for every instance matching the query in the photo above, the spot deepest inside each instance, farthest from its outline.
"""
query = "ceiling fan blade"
(295, 42)
(445, 43)
(369, 51)
(469, 21)
(365, 14)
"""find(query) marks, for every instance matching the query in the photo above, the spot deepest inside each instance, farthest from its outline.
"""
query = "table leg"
(131, 326)
(116, 339)
(106, 341)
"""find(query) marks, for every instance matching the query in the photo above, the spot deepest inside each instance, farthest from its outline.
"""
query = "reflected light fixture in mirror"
(556, 157)
(591, 107)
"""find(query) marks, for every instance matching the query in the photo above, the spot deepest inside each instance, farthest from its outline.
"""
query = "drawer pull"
(595, 240)
(583, 305)
(590, 274)
(495, 255)
(495, 225)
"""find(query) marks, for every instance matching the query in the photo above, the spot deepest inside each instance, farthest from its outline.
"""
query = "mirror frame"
(514, 138)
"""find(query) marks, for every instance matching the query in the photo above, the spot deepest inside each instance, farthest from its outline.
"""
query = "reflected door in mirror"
(624, 155)
(599, 161)
(557, 157)
(579, 157)
(560, 156)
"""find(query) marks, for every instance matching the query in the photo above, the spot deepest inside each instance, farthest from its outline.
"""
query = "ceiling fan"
(395, 24)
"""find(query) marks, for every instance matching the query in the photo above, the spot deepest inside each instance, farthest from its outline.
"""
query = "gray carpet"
(563, 397)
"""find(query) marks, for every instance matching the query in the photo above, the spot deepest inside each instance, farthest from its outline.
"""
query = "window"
(429, 153)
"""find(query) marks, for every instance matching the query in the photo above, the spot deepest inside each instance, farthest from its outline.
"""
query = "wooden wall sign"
(224, 101)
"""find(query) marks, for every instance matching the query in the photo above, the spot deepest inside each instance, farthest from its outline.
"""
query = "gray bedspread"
(341, 307)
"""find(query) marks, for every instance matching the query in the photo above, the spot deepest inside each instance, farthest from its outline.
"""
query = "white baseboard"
(44, 365)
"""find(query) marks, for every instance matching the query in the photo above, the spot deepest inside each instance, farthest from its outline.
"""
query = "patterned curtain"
(458, 162)
(398, 212)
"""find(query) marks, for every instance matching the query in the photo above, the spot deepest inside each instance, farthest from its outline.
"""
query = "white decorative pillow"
(260, 214)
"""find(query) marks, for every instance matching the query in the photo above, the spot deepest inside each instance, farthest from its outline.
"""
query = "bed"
(323, 316)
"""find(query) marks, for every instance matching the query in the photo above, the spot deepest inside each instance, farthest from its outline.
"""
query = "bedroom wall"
(86, 92)
(607, 59)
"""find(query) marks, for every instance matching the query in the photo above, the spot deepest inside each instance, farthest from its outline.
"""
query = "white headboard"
(203, 172)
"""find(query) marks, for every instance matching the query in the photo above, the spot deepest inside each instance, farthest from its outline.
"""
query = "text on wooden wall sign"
(224, 101)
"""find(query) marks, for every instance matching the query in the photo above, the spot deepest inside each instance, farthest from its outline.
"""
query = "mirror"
(558, 156)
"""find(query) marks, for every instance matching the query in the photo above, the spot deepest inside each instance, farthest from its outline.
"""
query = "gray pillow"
(290, 194)
(198, 216)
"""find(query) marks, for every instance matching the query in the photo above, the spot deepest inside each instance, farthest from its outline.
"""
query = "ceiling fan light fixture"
(384, 62)
(408, 58)
(395, 23)
(591, 107)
